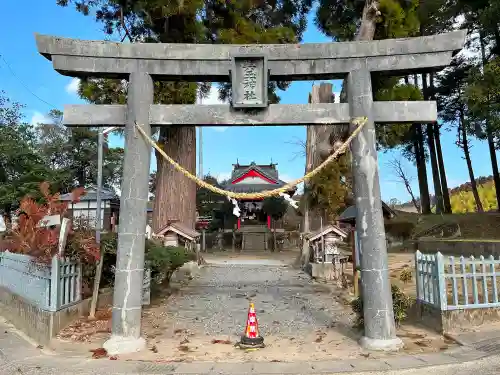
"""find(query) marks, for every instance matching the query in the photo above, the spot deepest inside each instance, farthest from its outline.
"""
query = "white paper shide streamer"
(290, 201)
(236, 208)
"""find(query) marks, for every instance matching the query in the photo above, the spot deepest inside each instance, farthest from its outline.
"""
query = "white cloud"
(287, 178)
(72, 86)
(213, 98)
(222, 176)
(39, 118)
(220, 129)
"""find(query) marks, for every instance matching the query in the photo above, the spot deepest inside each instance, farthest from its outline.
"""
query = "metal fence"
(50, 287)
(452, 283)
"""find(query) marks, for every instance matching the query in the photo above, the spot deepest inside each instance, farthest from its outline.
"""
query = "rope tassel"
(359, 123)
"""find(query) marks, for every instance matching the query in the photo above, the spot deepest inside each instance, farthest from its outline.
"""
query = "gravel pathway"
(287, 302)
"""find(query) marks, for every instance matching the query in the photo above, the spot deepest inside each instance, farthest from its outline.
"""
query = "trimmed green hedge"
(162, 260)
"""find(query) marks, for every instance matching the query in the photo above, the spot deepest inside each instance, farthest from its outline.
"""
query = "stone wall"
(458, 248)
(42, 325)
(451, 320)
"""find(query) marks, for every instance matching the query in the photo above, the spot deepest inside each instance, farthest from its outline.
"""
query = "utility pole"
(98, 225)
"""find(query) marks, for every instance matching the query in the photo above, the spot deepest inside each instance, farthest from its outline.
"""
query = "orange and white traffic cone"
(251, 338)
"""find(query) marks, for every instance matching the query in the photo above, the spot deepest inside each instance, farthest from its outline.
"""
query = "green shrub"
(164, 261)
(401, 303)
(400, 229)
(406, 275)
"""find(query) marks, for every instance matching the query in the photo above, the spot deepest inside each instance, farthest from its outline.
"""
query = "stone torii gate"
(249, 68)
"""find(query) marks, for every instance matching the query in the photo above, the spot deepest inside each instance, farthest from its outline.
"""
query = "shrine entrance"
(249, 68)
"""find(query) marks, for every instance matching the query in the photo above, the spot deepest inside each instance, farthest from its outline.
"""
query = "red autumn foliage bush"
(31, 237)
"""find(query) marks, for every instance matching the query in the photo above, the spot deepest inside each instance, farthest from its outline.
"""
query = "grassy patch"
(473, 226)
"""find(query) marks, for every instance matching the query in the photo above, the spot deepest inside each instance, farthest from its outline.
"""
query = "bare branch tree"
(399, 171)
(300, 144)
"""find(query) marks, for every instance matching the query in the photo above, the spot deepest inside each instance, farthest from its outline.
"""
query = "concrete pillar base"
(389, 345)
(124, 345)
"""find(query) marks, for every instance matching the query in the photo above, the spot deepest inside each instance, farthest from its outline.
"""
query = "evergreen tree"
(481, 17)
(21, 167)
(207, 201)
(189, 21)
(453, 110)
(71, 155)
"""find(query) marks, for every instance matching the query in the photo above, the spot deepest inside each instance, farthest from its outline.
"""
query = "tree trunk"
(440, 160)
(444, 182)
(274, 235)
(368, 21)
(310, 144)
(318, 144)
(489, 135)
(435, 169)
(418, 144)
(175, 197)
(432, 153)
(465, 146)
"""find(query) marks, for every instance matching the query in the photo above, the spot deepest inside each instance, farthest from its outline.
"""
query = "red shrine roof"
(254, 178)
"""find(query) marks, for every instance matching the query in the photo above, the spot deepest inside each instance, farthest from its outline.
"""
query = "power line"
(23, 84)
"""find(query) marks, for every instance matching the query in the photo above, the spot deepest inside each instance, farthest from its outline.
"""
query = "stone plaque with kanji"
(249, 78)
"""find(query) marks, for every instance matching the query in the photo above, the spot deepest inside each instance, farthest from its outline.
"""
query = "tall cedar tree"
(481, 17)
(397, 18)
(188, 21)
(453, 110)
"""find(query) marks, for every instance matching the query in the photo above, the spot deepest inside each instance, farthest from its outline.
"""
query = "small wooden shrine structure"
(324, 243)
(176, 234)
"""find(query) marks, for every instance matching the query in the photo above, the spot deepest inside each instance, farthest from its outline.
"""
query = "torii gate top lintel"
(212, 62)
(230, 63)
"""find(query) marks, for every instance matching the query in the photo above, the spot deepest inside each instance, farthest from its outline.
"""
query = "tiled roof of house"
(91, 195)
(349, 213)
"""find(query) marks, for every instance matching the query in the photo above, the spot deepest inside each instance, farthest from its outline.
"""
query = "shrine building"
(254, 178)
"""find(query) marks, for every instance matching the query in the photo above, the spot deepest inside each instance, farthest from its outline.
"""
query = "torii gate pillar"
(127, 298)
(375, 281)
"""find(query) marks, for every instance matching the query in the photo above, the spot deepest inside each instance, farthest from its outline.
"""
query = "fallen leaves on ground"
(84, 328)
(320, 336)
(99, 353)
(217, 341)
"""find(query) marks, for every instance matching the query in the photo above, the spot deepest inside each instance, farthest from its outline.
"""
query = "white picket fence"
(452, 283)
(50, 287)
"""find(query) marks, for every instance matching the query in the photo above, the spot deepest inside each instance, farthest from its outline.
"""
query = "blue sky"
(28, 78)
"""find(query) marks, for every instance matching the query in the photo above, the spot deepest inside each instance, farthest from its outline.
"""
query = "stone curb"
(55, 364)
(49, 364)
(16, 353)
